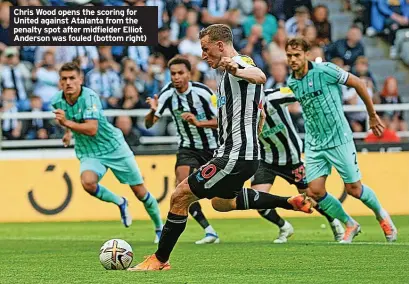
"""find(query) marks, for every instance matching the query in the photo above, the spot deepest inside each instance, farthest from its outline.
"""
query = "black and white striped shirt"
(199, 100)
(279, 142)
(239, 106)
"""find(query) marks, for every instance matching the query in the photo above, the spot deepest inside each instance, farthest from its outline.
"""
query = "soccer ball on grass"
(116, 254)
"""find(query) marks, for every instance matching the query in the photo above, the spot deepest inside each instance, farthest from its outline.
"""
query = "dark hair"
(217, 32)
(298, 42)
(70, 66)
(180, 60)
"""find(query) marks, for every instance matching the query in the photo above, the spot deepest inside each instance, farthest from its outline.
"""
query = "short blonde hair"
(217, 32)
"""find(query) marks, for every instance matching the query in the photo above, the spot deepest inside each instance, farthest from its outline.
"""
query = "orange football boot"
(151, 263)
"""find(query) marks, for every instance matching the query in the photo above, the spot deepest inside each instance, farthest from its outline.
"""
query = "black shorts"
(221, 177)
(193, 158)
(267, 173)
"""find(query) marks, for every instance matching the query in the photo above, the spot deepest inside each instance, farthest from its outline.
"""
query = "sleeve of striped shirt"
(244, 61)
(206, 93)
(281, 96)
(163, 102)
(92, 107)
(333, 74)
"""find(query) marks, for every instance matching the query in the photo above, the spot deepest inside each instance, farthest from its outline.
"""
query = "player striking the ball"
(240, 101)
(329, 140)
(99, 145)
(188, 102)
(280, 149)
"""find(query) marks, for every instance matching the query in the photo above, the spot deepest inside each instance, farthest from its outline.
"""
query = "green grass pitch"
(68, 253)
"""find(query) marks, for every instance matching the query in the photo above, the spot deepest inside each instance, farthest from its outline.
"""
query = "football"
(116, 254)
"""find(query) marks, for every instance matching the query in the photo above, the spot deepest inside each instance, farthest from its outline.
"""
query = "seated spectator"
(4, 25)
(296, 25)
(310, 35)
(132, 136)
(139, 54)
(254, 45)
(106, 51)
(322, 24)
(86, 55)
(132, 74)
(11, 128)
(27, 54)
(390, 16)
(268, 22)
(131, 99)
(236, 27)
(215, 12)
(105, 82)
(46, 80)
(349, 49)
(339, 62)
(291, 5)
(388, 136)
(191, 44)
(390, 95)
(161, 4)
(37, 128)
(165, 45)
(276, 49)
(245, 7)
(192, 17)
(278, 76)
(316, 54)
(197, 74)
(361, 69)
(15, 75)
(157, 76)
(178, 23)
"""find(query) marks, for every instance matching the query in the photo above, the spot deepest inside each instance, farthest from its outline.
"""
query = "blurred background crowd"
(125, 76)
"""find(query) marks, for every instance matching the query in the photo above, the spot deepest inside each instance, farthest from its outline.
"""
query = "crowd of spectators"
(125, 76)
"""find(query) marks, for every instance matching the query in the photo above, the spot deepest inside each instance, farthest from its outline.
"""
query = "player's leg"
(318, 167)
(123, 165)
(151, 206)
(345, 161)
(182, 171)
(297, 177)
(175, 224)
(92, 171)
(262, 181)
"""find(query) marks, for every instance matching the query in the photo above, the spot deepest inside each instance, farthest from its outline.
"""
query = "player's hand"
(376, 125)
(60, 116)
(229, 64)
(66, 139)
(153, 102)
(191, 118)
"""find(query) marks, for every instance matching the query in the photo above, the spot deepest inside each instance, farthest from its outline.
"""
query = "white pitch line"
(5, 238)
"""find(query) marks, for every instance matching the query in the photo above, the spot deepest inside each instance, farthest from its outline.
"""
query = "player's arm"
(151, 118)
(191, 118)
(89, 127)
(374, 121)
(158, 105)
(244, 71)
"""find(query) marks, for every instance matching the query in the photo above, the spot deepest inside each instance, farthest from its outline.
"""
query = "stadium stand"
(29, 75)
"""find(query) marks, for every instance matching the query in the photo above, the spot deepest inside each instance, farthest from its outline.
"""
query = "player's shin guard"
(272, 216)
(196, 211)
(152, 207)
(368, 197)
(106, 195)
(252, 199)
(333, 208)
(174, 227)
